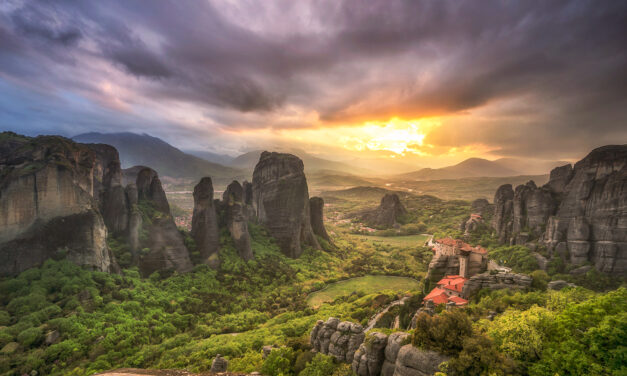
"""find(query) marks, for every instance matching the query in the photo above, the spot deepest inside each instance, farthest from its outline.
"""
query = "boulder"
(205, 223)
(559, 284)
(219, 364)
(316, 208)
(412, 361)
(281, 201)
(395, 342)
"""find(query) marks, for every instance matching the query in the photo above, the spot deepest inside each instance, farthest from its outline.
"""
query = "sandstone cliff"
(50, 189)
(236, 217)
(580, 213)
(316, 207)
(205, 223)
(162, 244)
(281, 201)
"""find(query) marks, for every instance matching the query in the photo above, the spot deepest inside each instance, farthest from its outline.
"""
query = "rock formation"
(480, 208)
(388, 213)
(316, 207)
(581, 213)
(163, 247)
(236, 218)
(338, 339)
(205, 223)
(50, 192)
(219, 364)
(61, 199)
(412, 361)
(503, 212)
(375, 354)
(496, 282)
(369, 358)
(281, 201)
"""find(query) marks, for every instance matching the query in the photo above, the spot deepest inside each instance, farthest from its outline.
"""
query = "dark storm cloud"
(560, 64)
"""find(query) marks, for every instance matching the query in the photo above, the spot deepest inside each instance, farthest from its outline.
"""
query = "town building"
(448, 289)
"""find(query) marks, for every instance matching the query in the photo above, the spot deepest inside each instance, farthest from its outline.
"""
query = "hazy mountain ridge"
(167, 160)
(479, 167)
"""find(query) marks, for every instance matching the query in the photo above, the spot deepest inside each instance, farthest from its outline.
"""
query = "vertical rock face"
(316, 207)
(532, 208)
(503, 212)
(592, 215)
(234, 205)
(281, 201)
(387, 214)
(581, 212)
(49, 204)
(369, 358)
(164, 243)
(205, 223)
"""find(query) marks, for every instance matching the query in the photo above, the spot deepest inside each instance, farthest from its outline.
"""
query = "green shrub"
(30, 337)
(444, 333)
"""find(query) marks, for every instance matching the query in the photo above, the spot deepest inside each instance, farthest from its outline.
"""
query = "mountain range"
(479, 167)
(145, 150)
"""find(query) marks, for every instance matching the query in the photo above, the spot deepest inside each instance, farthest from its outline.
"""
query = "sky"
(426, 82)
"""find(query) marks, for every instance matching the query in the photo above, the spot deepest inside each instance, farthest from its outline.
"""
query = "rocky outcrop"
(503, 212)
(388, 213)
(479, 209)
(163, 245)
(369, 358)
(581, 213)
(234, 206)
(559, 284)
(281, 201)
(375, 354)
(393, 346)
(50, 193)
(412, 361)
(338, 339)
(219, 364)
(495, 282)
(316, 207)
(205, 223)
(532, 208)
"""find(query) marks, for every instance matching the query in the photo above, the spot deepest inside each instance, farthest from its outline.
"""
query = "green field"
(368, 284)
(400, 241)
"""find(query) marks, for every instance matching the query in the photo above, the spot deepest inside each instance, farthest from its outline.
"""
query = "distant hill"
(222, 159)
(529, 166)
(472, 167)
(248, 161)
(335, 180)
(142, 149)
(364, 193)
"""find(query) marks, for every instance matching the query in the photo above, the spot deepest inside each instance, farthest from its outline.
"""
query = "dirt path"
(373, 321)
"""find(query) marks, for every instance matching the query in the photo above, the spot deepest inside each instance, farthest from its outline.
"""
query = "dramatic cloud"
(527, 78)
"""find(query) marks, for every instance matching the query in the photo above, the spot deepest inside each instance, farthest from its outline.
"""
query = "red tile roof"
(438, 296)
(457, 300)
(452, 282)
